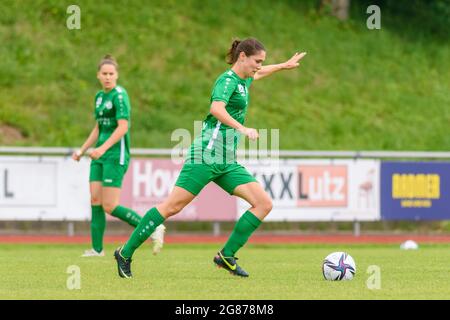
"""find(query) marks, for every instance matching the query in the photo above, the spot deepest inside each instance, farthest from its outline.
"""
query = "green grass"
(186, 272)
(356, 89)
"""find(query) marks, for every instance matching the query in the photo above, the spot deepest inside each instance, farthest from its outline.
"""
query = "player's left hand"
(294, 61)
(96, 153)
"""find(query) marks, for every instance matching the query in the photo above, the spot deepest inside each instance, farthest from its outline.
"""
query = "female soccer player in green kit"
(110, 157)
(212, 157)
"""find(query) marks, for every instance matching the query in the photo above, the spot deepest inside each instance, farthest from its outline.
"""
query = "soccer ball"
(338, 266)
(409, 245)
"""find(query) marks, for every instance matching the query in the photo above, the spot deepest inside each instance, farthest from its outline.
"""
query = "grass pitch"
(277, 272)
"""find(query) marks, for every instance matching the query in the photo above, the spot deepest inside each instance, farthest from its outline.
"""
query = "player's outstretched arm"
(289, 64)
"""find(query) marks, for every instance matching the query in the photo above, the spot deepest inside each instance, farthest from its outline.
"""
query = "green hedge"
(356, 88)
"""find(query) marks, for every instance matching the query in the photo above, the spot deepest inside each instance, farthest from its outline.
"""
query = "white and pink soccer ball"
(338, 266)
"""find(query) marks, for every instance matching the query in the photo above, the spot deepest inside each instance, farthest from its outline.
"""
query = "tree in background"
(338, 8)
(414, 16)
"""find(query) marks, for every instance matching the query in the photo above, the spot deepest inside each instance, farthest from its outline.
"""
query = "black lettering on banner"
(7, 193)
(268, 185)
(301, 195)
(285, 185)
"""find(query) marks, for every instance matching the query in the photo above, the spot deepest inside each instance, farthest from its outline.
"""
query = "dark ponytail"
(249, 46)
(108, 59)
(232, 52)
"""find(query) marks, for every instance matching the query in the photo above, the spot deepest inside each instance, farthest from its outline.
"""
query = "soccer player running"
(212, 157)
(110, 158)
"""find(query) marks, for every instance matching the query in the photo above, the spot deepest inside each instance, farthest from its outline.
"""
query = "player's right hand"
(294, 61)
(251, 133)
(76, 155)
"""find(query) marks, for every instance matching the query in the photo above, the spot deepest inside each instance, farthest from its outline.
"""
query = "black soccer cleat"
(123, 264)
(229, 263)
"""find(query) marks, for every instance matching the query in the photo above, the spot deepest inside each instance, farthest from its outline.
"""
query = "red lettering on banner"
(149, 181)
(322, 186)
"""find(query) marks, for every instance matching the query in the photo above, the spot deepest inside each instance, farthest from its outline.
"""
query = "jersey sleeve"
(94, 111)
(122, 105)
(223, 89)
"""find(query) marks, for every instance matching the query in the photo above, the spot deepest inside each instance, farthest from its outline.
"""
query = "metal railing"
(281, 153)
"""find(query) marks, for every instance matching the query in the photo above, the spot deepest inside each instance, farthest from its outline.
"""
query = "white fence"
(281, 153)
(46, 184)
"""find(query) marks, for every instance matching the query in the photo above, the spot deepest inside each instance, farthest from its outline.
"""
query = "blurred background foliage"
(356, 89)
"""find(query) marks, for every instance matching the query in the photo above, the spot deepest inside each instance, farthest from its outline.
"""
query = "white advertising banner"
(148, 182)
(44, 188)
(320, 190)
(57, 188)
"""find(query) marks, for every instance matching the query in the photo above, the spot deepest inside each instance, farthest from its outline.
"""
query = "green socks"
(127, 215)
(146, 227)
(241, 232)
(98, 224)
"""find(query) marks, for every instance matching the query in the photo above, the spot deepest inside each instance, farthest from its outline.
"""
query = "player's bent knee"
(109, 207)
(266, 206)
(96, 201)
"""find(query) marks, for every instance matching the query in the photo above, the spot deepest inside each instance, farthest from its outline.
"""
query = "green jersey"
(218, 140)
(109, 108)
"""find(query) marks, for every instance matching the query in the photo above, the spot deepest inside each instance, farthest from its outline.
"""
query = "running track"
(262, 239)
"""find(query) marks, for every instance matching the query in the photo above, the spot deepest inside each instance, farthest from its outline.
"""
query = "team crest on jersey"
(242, 90)
(108, 105)
(98, 102)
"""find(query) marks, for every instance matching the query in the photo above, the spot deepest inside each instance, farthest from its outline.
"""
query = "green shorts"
(111, 175)
(195, 176)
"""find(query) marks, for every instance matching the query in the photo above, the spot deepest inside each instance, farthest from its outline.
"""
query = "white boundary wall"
(46, 184)
(320, 190)
(44, 188)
